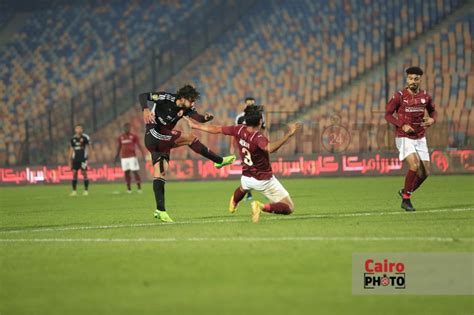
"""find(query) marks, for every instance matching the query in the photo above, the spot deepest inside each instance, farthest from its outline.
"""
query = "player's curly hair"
(188, 92)
(253, 115)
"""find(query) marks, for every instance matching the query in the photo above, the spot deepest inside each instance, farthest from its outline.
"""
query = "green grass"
(234, 266)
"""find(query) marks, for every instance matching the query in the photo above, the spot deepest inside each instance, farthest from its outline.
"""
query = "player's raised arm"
(275, 145)
(206, 128)
(200, 118)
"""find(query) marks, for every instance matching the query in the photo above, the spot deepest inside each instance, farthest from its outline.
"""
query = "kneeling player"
(254, 149)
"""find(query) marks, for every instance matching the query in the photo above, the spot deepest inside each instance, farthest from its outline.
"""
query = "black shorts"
(160, 143)
(79, 165)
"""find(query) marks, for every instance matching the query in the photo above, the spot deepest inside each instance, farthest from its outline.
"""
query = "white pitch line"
(230, 220)
(238, 239)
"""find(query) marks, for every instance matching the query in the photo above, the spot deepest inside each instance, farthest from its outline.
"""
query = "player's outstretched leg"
(284, 206)
(193, 142)
(159, 182)
(238, 195)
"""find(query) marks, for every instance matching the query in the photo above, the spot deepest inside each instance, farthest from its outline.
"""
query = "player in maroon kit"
(254, 150)
(127, 144)
(410, 105)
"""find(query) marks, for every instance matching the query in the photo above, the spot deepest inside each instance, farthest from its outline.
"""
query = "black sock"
(249, 195)
(86, 184)
(201, 149)
(159, 190)
(74, 184)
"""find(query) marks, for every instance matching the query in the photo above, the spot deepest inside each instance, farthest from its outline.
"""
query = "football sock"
(86, 184)
(238, 195)
(409, 184)
(249, 194)
(418, 181)
(201, 149)
(159, 190)
(277, 208)
(74, 184)
(138, 180)
(128, 179)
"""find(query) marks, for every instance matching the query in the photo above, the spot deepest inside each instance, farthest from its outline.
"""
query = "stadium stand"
(289, 58)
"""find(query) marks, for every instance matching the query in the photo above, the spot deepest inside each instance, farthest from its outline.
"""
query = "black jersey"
(167, 113)
(79, 145)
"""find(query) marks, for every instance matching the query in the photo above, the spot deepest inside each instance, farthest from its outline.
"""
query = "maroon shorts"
(160, 143)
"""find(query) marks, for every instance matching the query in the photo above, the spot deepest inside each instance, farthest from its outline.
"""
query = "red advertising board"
(443, 162)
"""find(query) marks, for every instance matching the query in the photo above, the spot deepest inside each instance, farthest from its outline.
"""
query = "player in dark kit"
(410, 105)
(254, 149)
(161, 113)
(78, 154)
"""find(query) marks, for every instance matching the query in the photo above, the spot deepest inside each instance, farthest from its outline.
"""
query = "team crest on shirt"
(423, 101)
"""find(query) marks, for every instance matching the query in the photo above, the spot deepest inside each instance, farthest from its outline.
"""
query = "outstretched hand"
(292, 128)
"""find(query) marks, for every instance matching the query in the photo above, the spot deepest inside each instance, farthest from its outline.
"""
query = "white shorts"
(271, 188)
(407, 146)
(130, 164)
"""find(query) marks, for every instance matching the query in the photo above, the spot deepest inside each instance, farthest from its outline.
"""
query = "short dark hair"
(414, 70)
(188, 92)
(78, 125)
(253, 115)
(249, 99)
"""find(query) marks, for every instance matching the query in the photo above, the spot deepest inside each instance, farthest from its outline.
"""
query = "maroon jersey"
(128, 143)
(410, 109)
(253, 151)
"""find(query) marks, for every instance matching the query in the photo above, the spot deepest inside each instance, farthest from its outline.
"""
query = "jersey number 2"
(247, 157)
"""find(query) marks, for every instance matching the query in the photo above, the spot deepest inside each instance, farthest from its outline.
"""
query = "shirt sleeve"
(431, 108)
(391, 108)
(228, 130)
(72, 142)
(261, 141)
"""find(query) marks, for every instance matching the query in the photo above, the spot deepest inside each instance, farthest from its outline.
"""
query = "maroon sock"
(201, 149)
(418, 181)
(238, 195)
(138, 180)
(409, 184)
(277, 208)
(128, 179)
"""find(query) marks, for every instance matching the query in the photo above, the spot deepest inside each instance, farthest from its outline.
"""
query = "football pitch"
(106, 254)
